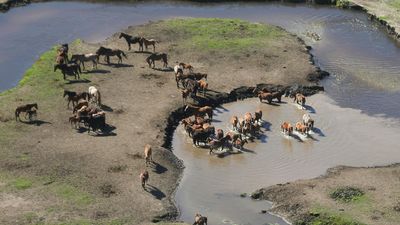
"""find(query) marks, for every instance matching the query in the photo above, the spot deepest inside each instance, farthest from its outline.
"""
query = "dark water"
(363, 61)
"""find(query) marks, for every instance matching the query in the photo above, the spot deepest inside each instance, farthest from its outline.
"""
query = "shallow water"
(342, 136)
(365, 80)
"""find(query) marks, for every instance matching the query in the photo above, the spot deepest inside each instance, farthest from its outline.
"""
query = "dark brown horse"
(26, 109)
(144, 177)
(62, 54)
(200, 111)
(268, 96)
(156, 57)
(132, 40)
(299, 99)
(72, 69)
(74, 97)
(107, 52)
(200, 220)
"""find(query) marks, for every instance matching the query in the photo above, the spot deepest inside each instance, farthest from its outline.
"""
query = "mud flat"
(54, 174)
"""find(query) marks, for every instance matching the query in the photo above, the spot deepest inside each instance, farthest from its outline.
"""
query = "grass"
(324, 216)
(394, 3)
(22, 183)
(72, 194)
(346, 194)
(222, 34)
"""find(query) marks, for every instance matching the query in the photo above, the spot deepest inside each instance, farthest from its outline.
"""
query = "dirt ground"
(380, 204)
(54, 174)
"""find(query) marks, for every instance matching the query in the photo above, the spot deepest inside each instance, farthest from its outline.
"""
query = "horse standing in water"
(132, 40)
(107, 52)
(27, 109)
(155, 57)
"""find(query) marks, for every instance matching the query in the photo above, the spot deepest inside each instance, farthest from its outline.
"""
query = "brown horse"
(302, 128)
(74, 97)
(200, 111)
(300, 99)
(287, 128)
(148, 42)
(186, 66)
(203, 85)
(74, 121)
(80, 104)
(234, 122)
(185, 95)
(248, 118)
(200, 220)
(258, 116)
(148, 154)
(268, 96)
(27, 109)
(62, 54)
(71, 69)
(144, 177)
(132, 40)
(107, 52)
(156, 57)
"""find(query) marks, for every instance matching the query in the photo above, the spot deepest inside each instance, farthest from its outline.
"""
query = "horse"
(132, 40)
(74, 121)
(200, 220)
(265, 95)
(81, 103)
(185, 94)
(248, 118)
(95, 95)
(203, 86)
(82, 58)
(31, 113)
(299, 99)
(26, 109)
(308, 121)
(287, 128)
(199, 111)
(148, 42)
(148, 156)
(155, 57)
(62, 54)
(216, 143)
(107, 52)
(178, 74)
(144, 177)
(234, 122)
(258, 116)
(187, 67)
(302, 128)
(69, 69)
(74, 97)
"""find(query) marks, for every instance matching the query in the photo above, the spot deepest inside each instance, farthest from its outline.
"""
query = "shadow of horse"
(105, 132)
(266, 125)
(248, 151)
(263, 138)
(167, 69)
(143, 52)
(157, 168)
(295, 136)
(318, 131)
(82, 81)
(119, 65)
(35, 122)
(157, 193)
(97, 71)
(272, 103)
(309, 108)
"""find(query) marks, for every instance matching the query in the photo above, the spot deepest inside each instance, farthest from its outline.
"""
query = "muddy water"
(342, 136)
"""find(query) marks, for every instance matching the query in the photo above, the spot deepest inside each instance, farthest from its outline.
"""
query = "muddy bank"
(304, 201)
(5, 5)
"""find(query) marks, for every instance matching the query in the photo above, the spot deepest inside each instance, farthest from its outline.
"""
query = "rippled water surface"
(357, 118)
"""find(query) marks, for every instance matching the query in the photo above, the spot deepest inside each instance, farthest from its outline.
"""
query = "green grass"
(22, 183)
(394, 3)
(72, 194)
(222, 34)
(324, 216)
(346, 194)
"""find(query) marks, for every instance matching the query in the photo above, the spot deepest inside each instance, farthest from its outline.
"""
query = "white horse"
(177, 69)
(308, 121)
(94, 95)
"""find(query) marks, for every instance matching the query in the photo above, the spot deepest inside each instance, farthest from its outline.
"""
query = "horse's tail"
(99, 97)
(123, 54)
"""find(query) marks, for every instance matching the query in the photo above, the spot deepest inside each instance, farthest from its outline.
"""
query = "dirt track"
(137, 101)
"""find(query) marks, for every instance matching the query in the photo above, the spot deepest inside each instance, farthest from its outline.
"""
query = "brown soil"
(379, 206)
(137, 101)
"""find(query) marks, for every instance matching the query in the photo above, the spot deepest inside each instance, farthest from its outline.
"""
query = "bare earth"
(86, 177)
(379, 206)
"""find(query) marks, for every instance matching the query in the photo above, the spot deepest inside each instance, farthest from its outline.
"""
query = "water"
(358, 115)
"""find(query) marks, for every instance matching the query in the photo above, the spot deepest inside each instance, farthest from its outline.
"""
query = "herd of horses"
(86, 105)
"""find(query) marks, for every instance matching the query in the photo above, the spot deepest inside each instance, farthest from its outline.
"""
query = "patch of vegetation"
(346, 194)
(394, 3)
(323, 216)
(72, 194)
(22, 183)
(343, 3)
(223, 34)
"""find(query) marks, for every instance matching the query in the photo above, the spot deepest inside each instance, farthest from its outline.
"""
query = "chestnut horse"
(148, 154)
(187, 67)
(300, 99)
(203, 85)
(144, 177)
(287, 128)
(302, 128)
(200, 111)
(27, 109)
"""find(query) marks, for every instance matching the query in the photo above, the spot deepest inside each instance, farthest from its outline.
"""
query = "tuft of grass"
(346, 194)
(343, 3)
(322, 216)
(22, 183)
(223, 34)
(72, 194)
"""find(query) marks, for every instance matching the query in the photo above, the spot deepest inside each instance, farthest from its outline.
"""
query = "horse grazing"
(187, 67)
(203, 85)
(74, 97)
(27, 109)
(200, 220)
(144, 177)
(302, 128)
(132, 40)
(287, 128)
(299, 99)
(82, 58)
(72, 69)
(156, 57)
(107, 52)
(94, 95)
(148, 154)
(200, 111)
(148, 42)
(308, 121)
